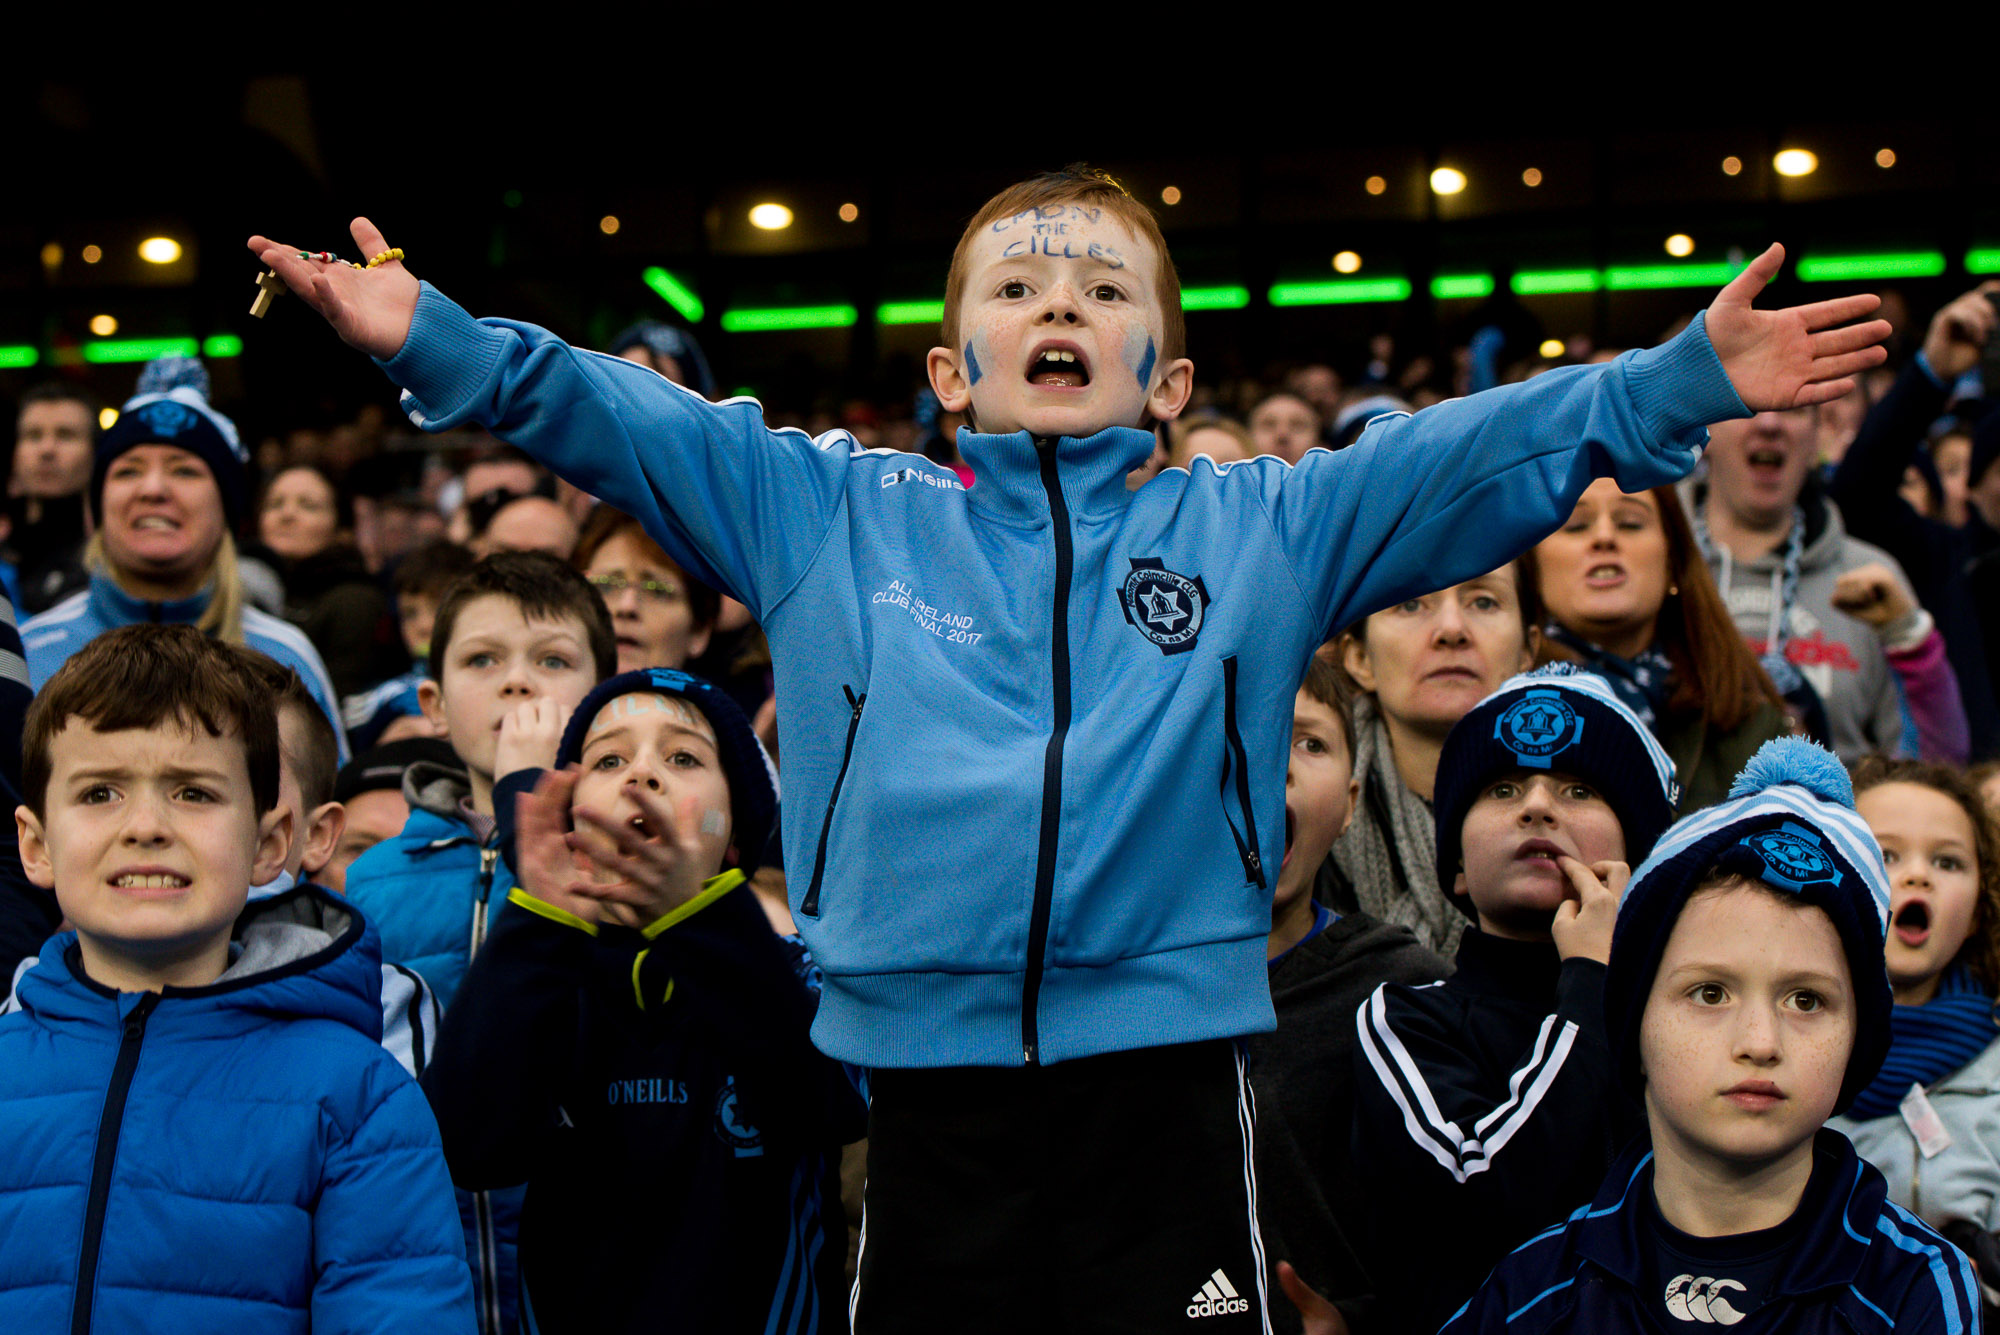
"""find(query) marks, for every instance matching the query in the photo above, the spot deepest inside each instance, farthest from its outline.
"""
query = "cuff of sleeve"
(1580, 994)
(1923, 363)
(1907, 634)
(443, 362)
(535, 906)
(1680, 386)
(714, 888)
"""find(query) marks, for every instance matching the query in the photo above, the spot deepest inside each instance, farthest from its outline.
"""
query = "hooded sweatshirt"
(242, 1156)
(1841, 656)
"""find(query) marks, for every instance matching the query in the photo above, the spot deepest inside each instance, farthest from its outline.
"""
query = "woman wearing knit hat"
(1488, 1100)
(1746, 1002)
(169, 487)
(632, 1041)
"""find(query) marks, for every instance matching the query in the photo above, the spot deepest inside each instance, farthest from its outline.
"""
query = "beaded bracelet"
(393, 253)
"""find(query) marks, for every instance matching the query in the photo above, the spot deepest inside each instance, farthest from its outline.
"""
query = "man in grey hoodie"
(1776, 546)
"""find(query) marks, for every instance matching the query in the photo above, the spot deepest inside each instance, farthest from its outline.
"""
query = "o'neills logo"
(1217, 1298)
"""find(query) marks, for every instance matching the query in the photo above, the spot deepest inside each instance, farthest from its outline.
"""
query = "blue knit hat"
(753, 780)
(1790, 823)
(664, 340)
(1554, 718)
(171, 408)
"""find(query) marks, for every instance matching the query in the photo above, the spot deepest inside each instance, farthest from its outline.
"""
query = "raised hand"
(1959, 332)
(1793, 357)
(640, 880)
(1585, 922)
(547, 869)
(530, 736)
(1873, 594)
(370, 309)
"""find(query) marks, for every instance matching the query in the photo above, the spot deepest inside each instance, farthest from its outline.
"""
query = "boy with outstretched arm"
(634, 1032)
(1034, 729)
(1747, 1002)
(1487, 1100)
(199, 1129)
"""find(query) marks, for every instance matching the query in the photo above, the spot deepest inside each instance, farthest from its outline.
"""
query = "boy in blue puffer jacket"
(1035, 729)
(199, 1129)
(518, 640)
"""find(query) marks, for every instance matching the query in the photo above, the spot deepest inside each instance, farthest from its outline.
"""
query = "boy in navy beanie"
(1747, 1002)
(1488, 1101)
(633, 1031)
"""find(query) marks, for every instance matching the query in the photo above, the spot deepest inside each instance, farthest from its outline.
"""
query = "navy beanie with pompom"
(1554, 718)
(753, 780)
(1790, 823)
(171, 408)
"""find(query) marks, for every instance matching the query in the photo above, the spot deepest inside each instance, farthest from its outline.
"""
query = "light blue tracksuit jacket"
(1036, 731)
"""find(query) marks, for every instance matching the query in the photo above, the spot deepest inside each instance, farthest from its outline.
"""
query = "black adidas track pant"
(1114, 1193)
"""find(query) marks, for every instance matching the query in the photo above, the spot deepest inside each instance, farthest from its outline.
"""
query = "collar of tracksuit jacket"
(1014, 472)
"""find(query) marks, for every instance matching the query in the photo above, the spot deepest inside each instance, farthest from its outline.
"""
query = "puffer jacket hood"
(302, 953)
(435, 788)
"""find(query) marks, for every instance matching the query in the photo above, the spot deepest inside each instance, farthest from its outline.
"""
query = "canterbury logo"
(1217, 1298)
(1702, 1298)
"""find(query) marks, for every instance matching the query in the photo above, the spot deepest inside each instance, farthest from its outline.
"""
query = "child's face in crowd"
(372, 817)
(1758, 466)
(1430, 659)
(1748, 1027)
(1604, 573)
(162, 513)
(1055, 280)
(662, 743)
(1320, 792)
(1929, 850)
(151, 840)
(1515, 832)
(655, 625)
(497, 659)
(415, 614)
(299, 517)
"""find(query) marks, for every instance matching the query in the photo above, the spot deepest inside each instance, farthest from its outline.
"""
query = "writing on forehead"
(630, 706)
(1044, 215)
(1063, 248)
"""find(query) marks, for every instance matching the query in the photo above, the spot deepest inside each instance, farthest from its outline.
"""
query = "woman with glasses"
(662, 616)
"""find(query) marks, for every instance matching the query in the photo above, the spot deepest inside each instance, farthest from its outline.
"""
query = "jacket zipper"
(100, 1169)
(482, 1203)
(488, 857)
(1045, 857)
(810, 904)
(1246, 842)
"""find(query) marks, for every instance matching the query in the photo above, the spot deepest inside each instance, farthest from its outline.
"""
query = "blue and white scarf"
(1929, 1042)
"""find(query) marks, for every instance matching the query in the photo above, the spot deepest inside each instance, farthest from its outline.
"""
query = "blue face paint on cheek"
(972, 371)
(1145, 368)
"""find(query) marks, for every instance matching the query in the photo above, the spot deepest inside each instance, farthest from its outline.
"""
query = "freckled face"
(1748, 1027)
(1060, 329)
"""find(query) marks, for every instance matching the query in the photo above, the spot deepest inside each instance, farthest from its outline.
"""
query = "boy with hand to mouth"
(634, 1030)
(1488, 1100)
(1060, 901)
(201, 1129)
(1323, 966)
(1747, 1002)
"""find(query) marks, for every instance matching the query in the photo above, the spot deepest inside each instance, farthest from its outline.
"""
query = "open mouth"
(1059, 367)
(151, 881)
(1541, 852)
(1766, 460)
(1603, 576)
(1913, 923)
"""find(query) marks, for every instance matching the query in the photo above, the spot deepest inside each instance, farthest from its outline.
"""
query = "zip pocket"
(810, 904)
(1236, 766)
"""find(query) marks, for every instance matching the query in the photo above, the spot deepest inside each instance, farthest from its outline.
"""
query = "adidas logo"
(1217, 1298)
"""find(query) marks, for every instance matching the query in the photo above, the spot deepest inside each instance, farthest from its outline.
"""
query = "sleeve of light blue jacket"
(388, 1249)
(741, 506)
(1426, 500)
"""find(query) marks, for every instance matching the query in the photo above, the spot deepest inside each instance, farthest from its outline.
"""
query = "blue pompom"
(1795, 760)
(1559, 668)
(168, 373)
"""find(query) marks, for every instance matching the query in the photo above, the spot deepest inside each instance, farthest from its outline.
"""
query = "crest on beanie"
(168, 418)
(1794, 858)
(1538, 727)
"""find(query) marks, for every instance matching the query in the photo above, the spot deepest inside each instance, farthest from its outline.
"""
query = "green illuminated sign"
(1446, 287)
(1337, 293)
(138, 349)
(1837, 268)
(675, 293)
(788, 317)
(1214, 298)
(1545, 282)
(909, 312)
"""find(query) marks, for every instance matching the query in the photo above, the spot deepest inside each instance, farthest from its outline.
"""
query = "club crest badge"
(1166, 608)
(1538, 727)
(731, 1127)
(1794, 858)
(167, 417)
